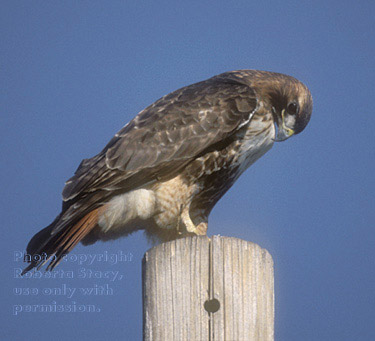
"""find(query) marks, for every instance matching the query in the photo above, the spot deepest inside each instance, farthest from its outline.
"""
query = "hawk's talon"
(201, 229)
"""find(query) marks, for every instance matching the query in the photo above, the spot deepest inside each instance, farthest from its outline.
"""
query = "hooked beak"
(283, 131)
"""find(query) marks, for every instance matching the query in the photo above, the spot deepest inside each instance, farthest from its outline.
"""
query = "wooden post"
(198, 288)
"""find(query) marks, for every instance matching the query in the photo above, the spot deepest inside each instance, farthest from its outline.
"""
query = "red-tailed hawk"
(167, 168)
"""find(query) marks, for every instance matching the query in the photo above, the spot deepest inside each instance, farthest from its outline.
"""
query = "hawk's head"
(291, 105)
(288, 98)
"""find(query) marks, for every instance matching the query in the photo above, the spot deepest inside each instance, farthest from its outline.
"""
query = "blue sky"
(74, 72)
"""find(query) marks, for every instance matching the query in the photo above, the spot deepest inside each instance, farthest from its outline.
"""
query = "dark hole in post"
(212, 306)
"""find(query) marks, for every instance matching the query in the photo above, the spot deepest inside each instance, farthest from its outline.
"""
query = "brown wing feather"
(166, 136)
(160, 141)
(157, 144)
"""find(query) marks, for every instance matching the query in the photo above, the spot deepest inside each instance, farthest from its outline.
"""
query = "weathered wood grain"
(229, 277)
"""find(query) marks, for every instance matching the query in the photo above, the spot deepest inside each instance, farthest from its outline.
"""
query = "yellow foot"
(201, 229)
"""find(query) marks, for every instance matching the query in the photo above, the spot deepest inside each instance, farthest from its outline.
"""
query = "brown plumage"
(166, 169)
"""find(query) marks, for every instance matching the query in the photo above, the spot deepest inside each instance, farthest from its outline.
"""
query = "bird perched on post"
(165, 170)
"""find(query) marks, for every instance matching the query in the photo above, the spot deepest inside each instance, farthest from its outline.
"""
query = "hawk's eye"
(292, 108)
